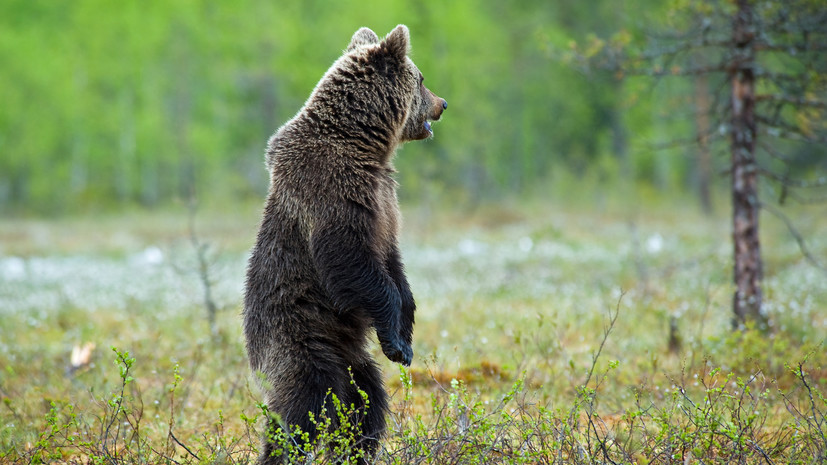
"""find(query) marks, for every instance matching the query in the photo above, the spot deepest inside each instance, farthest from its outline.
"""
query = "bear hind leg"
(311, 390)
(367, 381)
(297, 417)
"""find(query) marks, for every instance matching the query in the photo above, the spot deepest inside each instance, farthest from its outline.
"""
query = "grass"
(543, 336)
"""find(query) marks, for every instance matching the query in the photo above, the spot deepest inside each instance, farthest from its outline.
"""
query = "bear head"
(375, 93)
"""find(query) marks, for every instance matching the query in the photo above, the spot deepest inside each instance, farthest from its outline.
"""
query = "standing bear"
(326, 267)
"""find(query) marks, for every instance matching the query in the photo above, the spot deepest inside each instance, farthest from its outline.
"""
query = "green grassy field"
(542, 336)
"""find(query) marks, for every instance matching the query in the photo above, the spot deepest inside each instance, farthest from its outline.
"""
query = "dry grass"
(514, 305)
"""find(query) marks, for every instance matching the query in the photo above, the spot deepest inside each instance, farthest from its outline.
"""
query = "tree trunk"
(748, 266)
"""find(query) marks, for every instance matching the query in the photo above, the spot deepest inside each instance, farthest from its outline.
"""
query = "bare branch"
(182, 445)
(807, 200)
(711, 136)
(200, 249)
(780, 78)
(797, 183)
(802, 245)
(791, 48)
(607, 329)
(794, 136)
(773, 152)
(776, 127)
(685, 45)
(784, 99)
(677, 71)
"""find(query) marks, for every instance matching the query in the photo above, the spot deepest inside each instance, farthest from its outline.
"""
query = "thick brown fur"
(326, 266)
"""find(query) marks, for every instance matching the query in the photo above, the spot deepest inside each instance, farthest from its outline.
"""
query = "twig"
(606, 331)
(700, 335)
(203, 265)
(802, 245)
(798, 101)
(813, 409)
(182, 445)
(795, 183)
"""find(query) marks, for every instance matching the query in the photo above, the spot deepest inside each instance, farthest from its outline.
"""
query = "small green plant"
(56, 435)
(336, 435)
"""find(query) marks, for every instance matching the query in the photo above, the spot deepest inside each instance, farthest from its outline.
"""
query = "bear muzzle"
(440, 105)
(437, 108)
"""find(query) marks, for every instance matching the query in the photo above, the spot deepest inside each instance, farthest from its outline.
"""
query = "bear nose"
(444, 104)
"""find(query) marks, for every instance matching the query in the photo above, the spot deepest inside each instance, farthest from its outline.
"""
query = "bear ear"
(397, 42)
(362, 37)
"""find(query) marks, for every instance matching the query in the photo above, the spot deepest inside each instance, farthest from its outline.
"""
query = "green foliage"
(163, 99)
(337, 439)
(689, 54)
(113, 430)
(724, 419)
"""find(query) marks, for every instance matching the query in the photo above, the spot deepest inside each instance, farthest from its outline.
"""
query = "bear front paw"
(398, 351)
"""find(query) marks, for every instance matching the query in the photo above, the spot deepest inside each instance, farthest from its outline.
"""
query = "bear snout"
(439, 106)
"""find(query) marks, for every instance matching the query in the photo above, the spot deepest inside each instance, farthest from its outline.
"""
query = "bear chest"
(387, 215)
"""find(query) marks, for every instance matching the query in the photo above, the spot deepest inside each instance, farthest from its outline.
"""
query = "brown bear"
(326, 265)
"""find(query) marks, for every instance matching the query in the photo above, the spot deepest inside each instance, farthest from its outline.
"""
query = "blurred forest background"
(114, 104)
(585, 162)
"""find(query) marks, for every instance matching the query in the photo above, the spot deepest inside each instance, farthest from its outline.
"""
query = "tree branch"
(200, 249)
(607, 329)
(659, 71)
(777, 128)
(182, 445)
(802, 245)
(803, 102)
(797, 183)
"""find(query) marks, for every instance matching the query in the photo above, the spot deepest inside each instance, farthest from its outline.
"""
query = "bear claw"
(399, 353)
